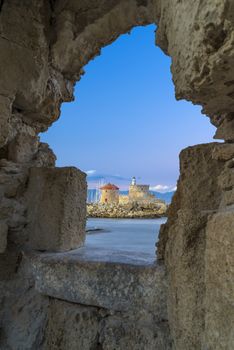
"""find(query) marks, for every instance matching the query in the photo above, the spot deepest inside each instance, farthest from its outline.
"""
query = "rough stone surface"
(202, 59)
(72, 327)
(43, 70)
(116, 285)
(56, 208)
(43, 48)
(5, 126)
(3, 236)
(128, 294)
(183, 242)
(13, 179)
(128, 210)
(223, 152)
(135, 331)
(23, 148)
(219, 301)
(23, 312)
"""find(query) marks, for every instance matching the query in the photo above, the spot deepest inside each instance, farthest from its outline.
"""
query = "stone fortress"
(109, 194)
(51, 296)
(139, 203)
(137, 194)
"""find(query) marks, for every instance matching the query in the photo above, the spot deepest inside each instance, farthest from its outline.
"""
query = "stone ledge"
(89, 277)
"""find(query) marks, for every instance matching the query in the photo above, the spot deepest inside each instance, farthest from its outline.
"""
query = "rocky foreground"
(130, 210)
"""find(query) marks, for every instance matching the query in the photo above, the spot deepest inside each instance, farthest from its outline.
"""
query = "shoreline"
(127, 211)
(128, 217)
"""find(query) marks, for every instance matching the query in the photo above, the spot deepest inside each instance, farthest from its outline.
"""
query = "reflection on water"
(133, 235)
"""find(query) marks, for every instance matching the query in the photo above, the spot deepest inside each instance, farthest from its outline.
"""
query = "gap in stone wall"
(125, 120)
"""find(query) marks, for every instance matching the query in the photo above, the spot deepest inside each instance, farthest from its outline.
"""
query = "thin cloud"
(162, 188)
(90, 172)
(95, 178)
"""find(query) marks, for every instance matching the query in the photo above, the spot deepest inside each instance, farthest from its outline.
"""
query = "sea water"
(132, 235)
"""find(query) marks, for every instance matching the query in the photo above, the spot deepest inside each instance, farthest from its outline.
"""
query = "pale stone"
(182, 243)
(23, 311)
(227, 199)
(134, 331)
(56, 208)
(226, 130)
(219, 277)
(43, 48)
(85, 277)
(127, 290)
(71, 327)
(226, 179)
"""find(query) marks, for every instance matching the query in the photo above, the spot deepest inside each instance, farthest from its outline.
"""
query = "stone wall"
(97, 328)
(183, 243)
(43, 48)
(140, 193)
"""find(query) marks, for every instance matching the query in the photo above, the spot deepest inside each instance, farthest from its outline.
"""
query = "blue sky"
(125, 120)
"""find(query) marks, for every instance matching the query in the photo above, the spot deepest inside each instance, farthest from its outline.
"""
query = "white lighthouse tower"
(133, 181)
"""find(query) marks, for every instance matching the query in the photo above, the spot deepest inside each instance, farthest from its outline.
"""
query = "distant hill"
(167, 196)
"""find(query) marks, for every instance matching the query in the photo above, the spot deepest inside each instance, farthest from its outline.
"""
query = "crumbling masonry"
(54, 299)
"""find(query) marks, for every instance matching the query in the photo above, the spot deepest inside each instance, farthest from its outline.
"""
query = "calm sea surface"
(133, 235)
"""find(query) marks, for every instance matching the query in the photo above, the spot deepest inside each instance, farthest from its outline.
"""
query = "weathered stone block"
(219, 277)
(3, 236)
(23, 148)
(223, 151)
(135, 331)
(227, 199)
(56, 208)
(226, 179)
(12, 180)
(226, 130)
(183, 239)
(71, 327)
(104, 279)
(123, 297)
(45, 156)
